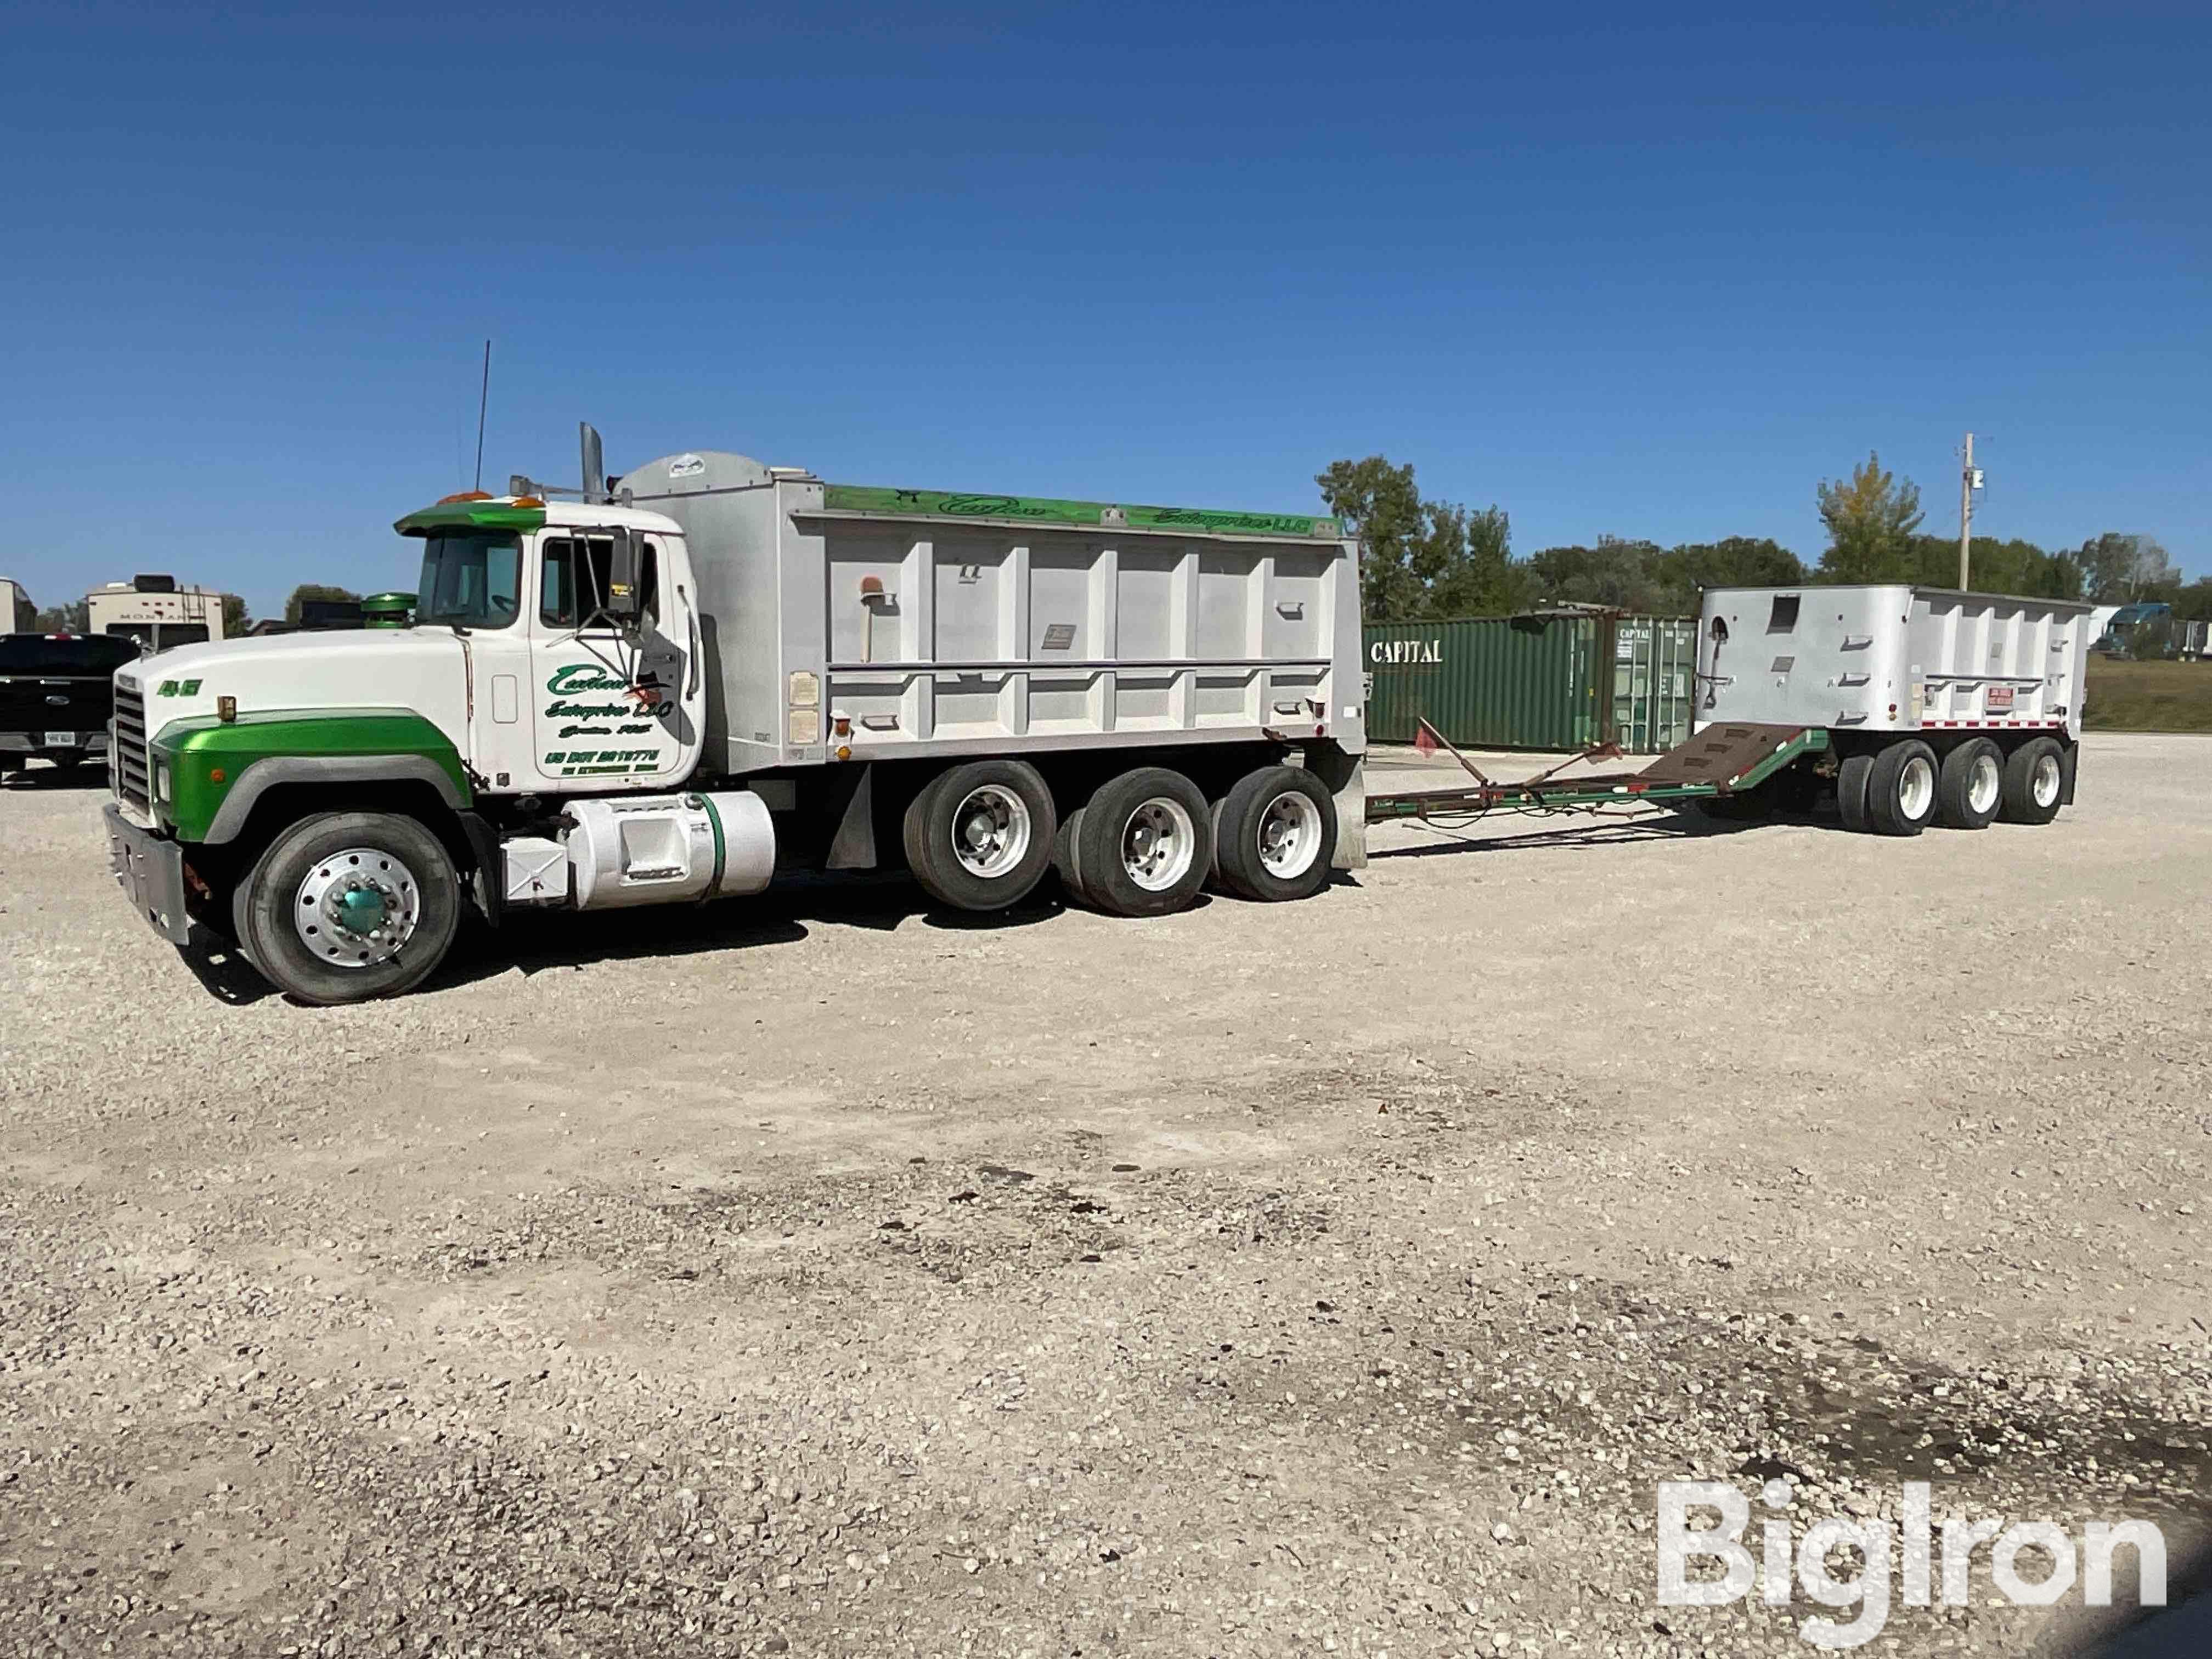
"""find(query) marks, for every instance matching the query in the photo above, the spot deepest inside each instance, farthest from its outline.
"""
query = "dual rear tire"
(979, 837)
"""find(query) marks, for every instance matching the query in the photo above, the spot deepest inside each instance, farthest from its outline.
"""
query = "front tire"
(980, 836)
(345, 907)
(2034, 782)
(1971, 786)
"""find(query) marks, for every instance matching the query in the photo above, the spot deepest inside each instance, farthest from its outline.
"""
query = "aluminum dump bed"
(1891, 658)
(900, 622)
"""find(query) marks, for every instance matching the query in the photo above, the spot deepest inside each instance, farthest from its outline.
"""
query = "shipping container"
(1655, 661)
(1536, 682)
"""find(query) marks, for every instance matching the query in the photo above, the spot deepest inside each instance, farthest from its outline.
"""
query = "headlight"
(160, 780)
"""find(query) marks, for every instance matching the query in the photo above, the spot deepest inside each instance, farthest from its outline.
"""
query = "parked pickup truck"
(57, 695)
(666, 692)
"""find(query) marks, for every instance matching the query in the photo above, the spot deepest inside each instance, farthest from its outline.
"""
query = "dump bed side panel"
(947, 636)
(1834, 656)
(1983, 661)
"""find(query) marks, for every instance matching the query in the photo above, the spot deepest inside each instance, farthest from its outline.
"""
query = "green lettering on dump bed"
(951, 504)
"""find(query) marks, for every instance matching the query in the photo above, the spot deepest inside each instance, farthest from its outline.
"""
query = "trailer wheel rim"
(1159, 839)
(991, 831)
(356, 908)
(1916, 789)
(1290, 835)
(2047, 778)
(1984, 782)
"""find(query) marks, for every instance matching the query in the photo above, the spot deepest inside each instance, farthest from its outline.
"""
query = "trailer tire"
(2034, 782)
(1970, 786)
(1067, 858)
(1901, 789)
(1275, 834)
(1851, 774)
(284, 905)
(1145, 844)
(978, 836)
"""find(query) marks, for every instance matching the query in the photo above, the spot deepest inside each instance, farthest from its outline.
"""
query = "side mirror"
(622, 600)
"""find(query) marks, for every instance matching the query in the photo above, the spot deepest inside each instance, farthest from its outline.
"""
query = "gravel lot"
(815, 1275)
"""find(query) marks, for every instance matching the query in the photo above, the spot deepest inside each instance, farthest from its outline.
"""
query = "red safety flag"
(1425, 741)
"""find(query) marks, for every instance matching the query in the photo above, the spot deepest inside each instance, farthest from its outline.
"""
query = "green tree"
(71, 618)
(1871, 519)
(1616, 573)
(1422, 559)
(1731, 561)
(2010, 566)
(306, 591)
(2117, 568)
(236, 619)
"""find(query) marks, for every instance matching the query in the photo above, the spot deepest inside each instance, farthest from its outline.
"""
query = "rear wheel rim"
(1159, 841)
(2046, 779)
(1289, 835)
(356, 908)
(991, 831)
(1984, 780)
(1916, 787)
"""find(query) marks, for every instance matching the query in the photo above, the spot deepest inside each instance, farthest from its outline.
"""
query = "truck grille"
(127, 750)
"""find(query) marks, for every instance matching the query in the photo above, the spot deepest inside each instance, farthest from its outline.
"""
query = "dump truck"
(667, 688)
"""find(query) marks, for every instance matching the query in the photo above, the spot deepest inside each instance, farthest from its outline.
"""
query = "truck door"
(609, 712)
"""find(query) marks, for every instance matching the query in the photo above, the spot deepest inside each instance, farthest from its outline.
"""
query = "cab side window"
(570, 585)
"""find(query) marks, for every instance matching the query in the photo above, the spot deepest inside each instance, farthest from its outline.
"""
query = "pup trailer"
(666, 691)
(1908, 706)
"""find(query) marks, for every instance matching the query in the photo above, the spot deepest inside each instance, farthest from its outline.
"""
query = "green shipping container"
(1541, 682)
(1655, 661)
(1559, 682)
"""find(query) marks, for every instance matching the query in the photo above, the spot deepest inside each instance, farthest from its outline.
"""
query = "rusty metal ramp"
(1721, 753)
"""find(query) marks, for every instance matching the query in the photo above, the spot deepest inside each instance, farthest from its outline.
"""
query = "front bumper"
(150, 870)
(85, 743)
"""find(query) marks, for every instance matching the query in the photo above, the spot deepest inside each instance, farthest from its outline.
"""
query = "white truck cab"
(566, 696)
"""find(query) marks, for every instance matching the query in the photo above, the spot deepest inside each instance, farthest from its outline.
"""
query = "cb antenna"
(484, 399)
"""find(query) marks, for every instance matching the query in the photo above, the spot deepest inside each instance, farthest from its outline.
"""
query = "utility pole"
(1969, 481)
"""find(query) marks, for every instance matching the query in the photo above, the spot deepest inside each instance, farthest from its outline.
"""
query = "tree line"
(1428, 560)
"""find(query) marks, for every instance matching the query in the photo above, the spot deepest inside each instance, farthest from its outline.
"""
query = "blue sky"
(1615, 271)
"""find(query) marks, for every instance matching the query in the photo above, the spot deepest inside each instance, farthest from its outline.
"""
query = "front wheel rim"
(1289, 835)
(1916, 787)
(2048, 777)
(991, 831)
(1984, 782)
(356, 908)
(1159, 839)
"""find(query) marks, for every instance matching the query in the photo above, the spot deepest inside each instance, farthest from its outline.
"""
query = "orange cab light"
(528, 501)
(465, 496)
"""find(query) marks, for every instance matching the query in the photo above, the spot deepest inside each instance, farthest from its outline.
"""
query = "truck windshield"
(470, 579)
